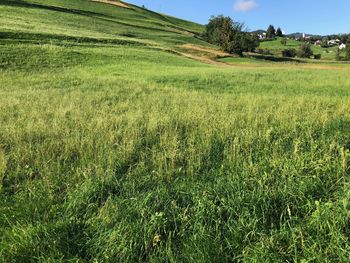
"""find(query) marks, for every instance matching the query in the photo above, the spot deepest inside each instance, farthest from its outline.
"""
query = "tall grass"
(119, 153)
(113, 161)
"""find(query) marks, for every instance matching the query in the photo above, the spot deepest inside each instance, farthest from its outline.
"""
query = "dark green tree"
(251, 42)
(343, 38)
(219, 31)
(229, 35)
(279, 32)
(271, 32)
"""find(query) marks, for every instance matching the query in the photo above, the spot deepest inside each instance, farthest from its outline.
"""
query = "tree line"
(271, 32)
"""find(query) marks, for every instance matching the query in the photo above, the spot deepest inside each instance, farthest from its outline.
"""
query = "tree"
(279, 32)
(347, 49)
(284, 41)
(229, 35)
(250, 42)
(271, 32)
(343, 38)
(241, 41)
(305, 51)
(219, 31)
(348, 40)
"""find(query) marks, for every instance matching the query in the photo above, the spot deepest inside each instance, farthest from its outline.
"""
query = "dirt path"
(206, 60)
(214, 52)
(112, 2)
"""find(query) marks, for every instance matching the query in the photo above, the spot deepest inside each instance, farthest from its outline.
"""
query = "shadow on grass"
(48, 38)
(275, 59)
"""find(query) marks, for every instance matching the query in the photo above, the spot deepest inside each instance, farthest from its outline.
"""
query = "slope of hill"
(83, 18)
(117, 144)
(89, 22)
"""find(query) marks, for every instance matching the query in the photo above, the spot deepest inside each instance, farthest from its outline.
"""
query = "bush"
(347, 50)
(337, 55)
(265, 52)
(317, 56)
(305, 51)
(284, 41)
(324, 43)
(289, 53)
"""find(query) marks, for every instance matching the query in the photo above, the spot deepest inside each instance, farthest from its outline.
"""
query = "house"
(318, 43)
(262, 36)
(306, 37)
(333, 42)
(342, 46)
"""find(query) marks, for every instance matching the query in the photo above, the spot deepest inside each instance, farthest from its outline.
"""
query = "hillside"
(92, 19)
(126, 138)
(96, 22)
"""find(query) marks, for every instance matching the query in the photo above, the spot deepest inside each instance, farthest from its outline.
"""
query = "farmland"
(122, 142)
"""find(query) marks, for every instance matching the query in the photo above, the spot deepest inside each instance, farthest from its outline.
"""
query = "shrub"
(317, 56)
(305, 51)
(324, 43)
(265, 52)
(284, 41)
(337, 55)
(347, 50)
(289, 53)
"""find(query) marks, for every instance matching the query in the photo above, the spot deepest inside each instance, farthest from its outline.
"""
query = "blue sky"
(310, 16)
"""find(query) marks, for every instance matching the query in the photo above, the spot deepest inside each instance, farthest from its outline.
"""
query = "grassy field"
(116, 147)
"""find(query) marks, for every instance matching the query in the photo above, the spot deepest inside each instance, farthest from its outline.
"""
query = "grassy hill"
(82, 18)
(123, 140)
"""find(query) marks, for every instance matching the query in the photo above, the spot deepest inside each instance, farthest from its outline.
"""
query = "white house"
(333, 42)
(342, 46)
(262, 36)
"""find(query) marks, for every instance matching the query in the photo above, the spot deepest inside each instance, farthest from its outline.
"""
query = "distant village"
(326, 41)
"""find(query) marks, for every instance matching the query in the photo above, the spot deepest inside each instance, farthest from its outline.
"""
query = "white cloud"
(245, 5)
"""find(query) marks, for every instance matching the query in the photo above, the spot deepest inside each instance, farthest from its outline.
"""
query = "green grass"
(116, 151)
(83, 18)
